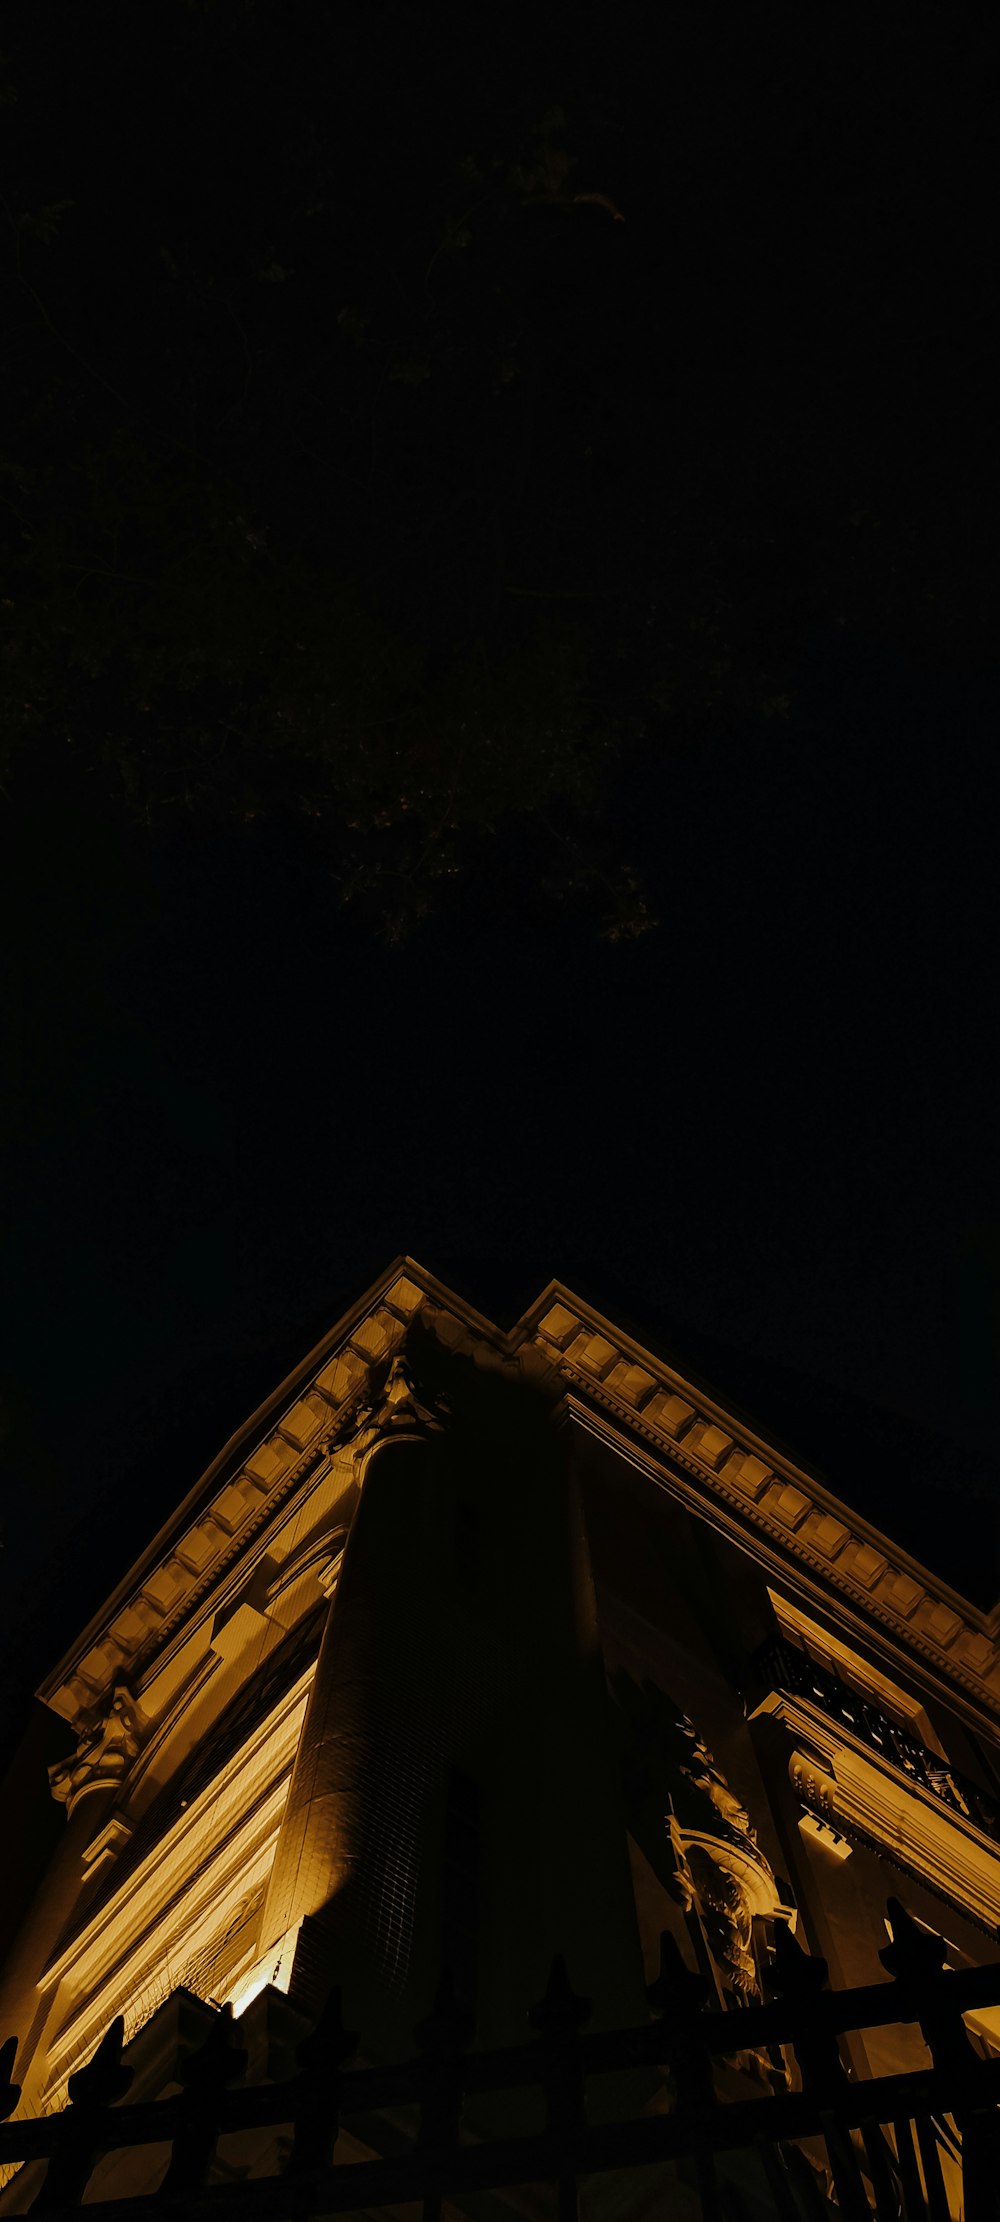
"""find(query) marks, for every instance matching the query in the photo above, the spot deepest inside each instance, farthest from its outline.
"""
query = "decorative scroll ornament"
(692, 1828)
(404, 1412)
(103, 1754)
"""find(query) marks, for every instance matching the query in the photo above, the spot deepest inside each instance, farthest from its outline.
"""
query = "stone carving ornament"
(698, 1838)
(103, 1753)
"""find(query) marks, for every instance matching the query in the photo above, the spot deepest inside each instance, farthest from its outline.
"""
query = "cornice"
(774, 1499)
(740, 1480)
(281, 1445)
(807, 1577)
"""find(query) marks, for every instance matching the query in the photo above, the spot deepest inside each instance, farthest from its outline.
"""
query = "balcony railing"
(784, 1667)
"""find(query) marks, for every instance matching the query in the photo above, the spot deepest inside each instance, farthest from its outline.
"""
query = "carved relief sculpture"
(698, 1838)
(103, 1754)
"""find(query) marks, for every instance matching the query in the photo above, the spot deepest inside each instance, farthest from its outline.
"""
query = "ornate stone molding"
(846, 1786)
(769, 1495)
(103, 1754)
(694, 1831)
(305, 1424)
(693, 1443)
(281, 1447)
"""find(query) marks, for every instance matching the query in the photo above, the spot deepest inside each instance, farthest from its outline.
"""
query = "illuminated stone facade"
(473, 1646)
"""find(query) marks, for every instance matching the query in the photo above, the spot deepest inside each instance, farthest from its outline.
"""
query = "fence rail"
(897, 2177)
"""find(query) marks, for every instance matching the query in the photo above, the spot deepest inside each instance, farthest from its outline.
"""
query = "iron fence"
(881, 2136)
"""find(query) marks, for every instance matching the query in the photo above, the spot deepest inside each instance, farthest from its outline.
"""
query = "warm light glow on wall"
(274, 1972)
(176, 1919)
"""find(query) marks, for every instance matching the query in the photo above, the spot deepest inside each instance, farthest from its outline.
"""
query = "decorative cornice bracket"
(103, 1755)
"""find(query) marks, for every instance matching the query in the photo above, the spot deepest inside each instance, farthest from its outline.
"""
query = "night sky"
(760, 1132)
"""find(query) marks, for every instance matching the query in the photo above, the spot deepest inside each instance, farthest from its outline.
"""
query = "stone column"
(454, 1792)
(347, 1859)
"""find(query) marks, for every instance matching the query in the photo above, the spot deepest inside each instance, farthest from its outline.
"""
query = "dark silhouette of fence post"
(315, 2090)
(800, 1978)
(678, 1996)
(9, 2092)
(92, 2090)
(441, 2039)
(916, 1959)
(914, 2203)
(959, 2083)
(558, 2018)
(204, 2075)
(880, 2169)
(980, 2132)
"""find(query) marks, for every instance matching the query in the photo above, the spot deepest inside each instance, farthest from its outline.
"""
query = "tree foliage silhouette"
(373, 463)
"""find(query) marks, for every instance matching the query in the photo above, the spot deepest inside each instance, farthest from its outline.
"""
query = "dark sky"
(762, 1134)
